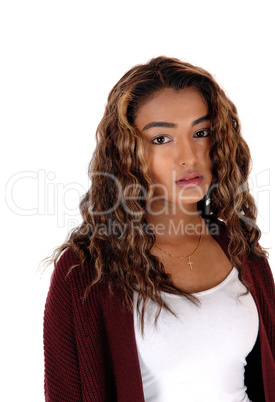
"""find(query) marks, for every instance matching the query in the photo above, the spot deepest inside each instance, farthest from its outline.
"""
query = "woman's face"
(176, 128)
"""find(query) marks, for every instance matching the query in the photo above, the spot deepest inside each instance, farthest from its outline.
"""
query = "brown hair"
(121, 185)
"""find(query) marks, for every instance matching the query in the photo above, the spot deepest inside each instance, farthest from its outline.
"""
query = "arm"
(261, 361)
(265, 293)
(62, 376)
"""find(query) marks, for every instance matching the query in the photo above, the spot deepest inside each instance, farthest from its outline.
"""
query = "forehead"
(171, 105)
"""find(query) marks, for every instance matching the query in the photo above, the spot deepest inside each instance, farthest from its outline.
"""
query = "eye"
(161, 140)
(202, 133)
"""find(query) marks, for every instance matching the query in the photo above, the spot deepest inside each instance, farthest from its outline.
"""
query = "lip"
(190, 180)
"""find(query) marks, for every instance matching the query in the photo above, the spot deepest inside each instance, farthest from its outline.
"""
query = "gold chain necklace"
(188, 257)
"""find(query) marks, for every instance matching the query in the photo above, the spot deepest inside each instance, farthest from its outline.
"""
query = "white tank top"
(201, 355)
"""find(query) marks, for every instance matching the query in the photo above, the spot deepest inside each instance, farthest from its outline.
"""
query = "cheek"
(159, 172)
(153, 160)
(205, 156)
(156, 171)
(206, 164)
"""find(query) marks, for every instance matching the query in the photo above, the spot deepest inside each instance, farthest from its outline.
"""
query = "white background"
(59, 60)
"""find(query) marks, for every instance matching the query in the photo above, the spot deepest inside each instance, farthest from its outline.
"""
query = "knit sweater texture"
(90, 349)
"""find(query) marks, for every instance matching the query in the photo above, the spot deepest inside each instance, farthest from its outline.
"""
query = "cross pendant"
(190, 263)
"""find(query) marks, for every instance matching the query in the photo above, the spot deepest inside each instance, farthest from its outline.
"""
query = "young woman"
(163, 293)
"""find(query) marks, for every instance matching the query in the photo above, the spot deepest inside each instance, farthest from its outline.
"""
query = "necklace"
(188, 257)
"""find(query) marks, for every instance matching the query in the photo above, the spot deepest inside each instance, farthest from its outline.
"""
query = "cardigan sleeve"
(62, 375)
(260, 278)
(263, 283)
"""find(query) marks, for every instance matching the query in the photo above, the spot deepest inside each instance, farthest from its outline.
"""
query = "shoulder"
(260, 271)
(65, 264)
(63, 267)
(218, 230)
(69, 280)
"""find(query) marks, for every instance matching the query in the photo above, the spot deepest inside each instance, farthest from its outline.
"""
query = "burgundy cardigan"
(90, 349)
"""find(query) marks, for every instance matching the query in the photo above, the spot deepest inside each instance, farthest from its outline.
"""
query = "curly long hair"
(121, 186)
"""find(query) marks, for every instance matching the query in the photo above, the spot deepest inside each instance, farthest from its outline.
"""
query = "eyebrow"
(173, 125)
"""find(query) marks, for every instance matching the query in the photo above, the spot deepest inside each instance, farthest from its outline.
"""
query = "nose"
(186, 152)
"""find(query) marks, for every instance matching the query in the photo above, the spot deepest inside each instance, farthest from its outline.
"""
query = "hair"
(121, 187)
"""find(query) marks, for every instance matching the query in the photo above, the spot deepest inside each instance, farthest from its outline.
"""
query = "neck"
(172, 227)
